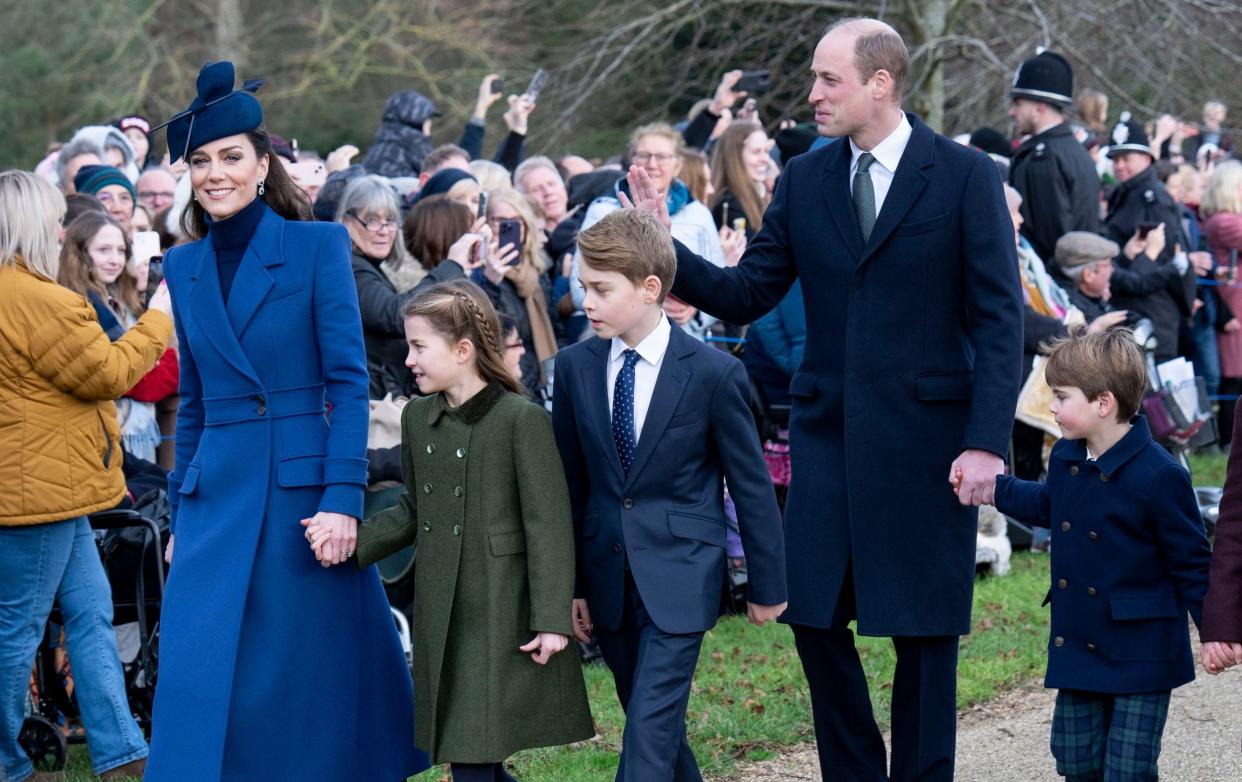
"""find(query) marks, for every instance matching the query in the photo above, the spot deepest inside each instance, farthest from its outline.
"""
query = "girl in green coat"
(486, 504)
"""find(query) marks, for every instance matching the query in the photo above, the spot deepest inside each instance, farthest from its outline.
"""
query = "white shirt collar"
(888, 152)
(652, 348)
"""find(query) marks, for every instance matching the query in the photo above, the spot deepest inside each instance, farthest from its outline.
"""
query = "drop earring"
(262, 189)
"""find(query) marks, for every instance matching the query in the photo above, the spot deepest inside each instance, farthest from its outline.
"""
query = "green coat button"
(427, 488)
(456, 529)
(461, 453)
(426, 526)
(457, 492)
(431, 448)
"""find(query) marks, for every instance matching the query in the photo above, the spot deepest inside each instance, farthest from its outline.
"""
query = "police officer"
(1051, 169)
(1139, 207)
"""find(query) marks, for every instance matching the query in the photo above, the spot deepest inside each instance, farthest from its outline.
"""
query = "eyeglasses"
(662, 158)
(152, 195)
(375, 225)
(123, 198)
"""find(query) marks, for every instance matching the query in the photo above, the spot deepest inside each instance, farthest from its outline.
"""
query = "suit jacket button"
(1090, 647)
(1062, 584)
(426, 526)
(1091, 591)
(427, 488)
(456, 529)
(1058, 641)
(431, 448)
(1093, 536)
(627, 503)
(1074, 470)
(618, 548)
(1065, 525)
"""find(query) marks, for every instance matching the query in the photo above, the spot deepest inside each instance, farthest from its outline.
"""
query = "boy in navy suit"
(649, 423)
(1129, 559)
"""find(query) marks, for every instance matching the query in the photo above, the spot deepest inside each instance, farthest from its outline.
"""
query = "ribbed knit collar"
(234, 233)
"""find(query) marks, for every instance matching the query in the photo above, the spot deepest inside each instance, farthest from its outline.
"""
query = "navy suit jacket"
(666, 517)
(1129, 561)
(913, 354)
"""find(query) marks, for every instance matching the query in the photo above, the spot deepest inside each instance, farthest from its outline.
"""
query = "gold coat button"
(456, 529)
(1065, 525)
(1058, 641)
(431, 448)
(457, 492)
(427, 488)
(1074, 470)
(461, 453)
(1062, 584)
(1091, 591)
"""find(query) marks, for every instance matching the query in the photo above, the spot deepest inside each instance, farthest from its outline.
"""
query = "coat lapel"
(207, 304)
(836, 186)
(908, 182)
(670, 385)
(595, 381)
(253, 281)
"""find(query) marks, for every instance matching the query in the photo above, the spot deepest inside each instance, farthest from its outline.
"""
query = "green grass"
(750, 700)
(1208, 469)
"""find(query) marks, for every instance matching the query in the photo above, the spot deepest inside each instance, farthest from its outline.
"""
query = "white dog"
(992, 540)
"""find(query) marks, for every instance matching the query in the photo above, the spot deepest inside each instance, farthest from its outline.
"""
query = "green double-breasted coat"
(486, 504)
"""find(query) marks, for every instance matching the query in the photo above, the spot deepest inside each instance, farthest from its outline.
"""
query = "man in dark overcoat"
(903, 242)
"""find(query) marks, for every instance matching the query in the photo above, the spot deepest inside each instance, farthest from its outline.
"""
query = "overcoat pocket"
(295, 471)
(505, 543)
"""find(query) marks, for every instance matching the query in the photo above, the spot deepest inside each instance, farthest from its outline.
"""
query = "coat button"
(627, 503)
(1065, 525)
(1103, 477)
(1062, 583)
(1058, 641)
(260, 405)
(1093, 536)
(457, 492)
(1090, 647)
(427, 488)
(461, 453)
(426, 526)
(431, 448)
(1091, 591)
(618, 548)
(1074, 470)
(456, 529)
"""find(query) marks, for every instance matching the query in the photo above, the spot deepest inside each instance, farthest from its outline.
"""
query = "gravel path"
(1006, 740)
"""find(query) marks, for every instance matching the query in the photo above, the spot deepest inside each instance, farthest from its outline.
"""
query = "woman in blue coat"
(271, 667)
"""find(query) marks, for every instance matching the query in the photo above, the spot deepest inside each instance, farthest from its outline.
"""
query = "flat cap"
(1079, 248)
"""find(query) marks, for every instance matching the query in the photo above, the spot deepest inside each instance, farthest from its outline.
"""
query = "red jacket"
(160, 382)
(1222, 608)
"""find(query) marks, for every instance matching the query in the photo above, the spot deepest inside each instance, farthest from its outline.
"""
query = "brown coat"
(60, 446)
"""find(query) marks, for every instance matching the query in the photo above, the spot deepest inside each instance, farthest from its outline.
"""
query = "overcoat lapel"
(207, 306)
(670, 385)
(253, 281)
(836, 187)
(908, 183)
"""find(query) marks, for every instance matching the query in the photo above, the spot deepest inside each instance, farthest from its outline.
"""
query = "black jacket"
(400, 144)
(1059, 185)
(383, 330)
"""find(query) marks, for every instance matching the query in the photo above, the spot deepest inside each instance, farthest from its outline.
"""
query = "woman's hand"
(486, 96)
(161, 300)
(1219, 655)
(168, 550)
(734, 245)
(1231, 326)
(645, 196)
(499, 261)
(544, 645)
(1155, 242)
(518, 115)
(338, 159)
(582, 621)
(333, 536)
(726, 97)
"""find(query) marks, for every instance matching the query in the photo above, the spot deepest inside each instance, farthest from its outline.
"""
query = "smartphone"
(724, 213)
(510, 232)
(498, 86)
(482, 203)
(146, 244)
(537, 83)
(155, 275)
(1145, 228)
(755, 82)
(1233, 263)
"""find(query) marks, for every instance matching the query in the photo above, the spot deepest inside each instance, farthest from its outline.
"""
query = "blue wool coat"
(1129, 560)
(272, 667)
(913, 354)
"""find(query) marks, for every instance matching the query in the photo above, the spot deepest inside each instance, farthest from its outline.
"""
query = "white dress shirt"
(887, 155)
(650, 356)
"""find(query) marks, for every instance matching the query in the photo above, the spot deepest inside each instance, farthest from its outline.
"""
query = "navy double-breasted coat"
(913, 354)
(270, 666)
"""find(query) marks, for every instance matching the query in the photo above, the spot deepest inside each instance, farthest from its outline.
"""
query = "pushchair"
(131, 545)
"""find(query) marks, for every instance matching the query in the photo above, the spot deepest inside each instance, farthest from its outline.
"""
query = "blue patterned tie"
(623, 411)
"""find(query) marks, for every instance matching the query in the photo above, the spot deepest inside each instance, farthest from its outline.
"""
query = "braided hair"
(459, 309)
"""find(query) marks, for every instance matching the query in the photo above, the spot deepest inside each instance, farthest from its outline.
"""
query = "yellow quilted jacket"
(60, 446)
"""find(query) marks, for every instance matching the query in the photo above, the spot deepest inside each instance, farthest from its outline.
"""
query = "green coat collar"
(474, 408)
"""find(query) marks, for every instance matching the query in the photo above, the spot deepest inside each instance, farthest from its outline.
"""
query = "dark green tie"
(864, 195)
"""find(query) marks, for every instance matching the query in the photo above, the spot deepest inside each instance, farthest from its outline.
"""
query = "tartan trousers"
(1105, 737)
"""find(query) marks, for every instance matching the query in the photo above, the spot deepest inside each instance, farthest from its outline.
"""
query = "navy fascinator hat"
(219, 111)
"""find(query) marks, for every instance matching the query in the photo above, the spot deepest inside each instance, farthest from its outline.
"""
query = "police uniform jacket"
(1129, 560)
(1059, 185)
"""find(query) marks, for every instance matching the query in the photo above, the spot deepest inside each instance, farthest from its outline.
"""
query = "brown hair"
(1092, 108)
(633, 244)
(459, 310)
(877, 47)
(695, 174)
(77, 270)
(441, 155)
(280, 191)
(1095, 363)
(432, 226)
(730, 176)
(662, 129)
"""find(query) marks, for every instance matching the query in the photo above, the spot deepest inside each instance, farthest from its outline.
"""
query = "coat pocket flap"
(803, 385)
(699, 528)
(944, 386)
(294, 471)
(189, 482)
(1144, 607)
(590, 525)
(506, 543)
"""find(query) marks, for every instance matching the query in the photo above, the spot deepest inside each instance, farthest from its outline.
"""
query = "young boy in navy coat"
(1129, 559)
(649, 423)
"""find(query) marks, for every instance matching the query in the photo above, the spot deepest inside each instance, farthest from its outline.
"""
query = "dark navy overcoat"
(913, 354)
(270, 666)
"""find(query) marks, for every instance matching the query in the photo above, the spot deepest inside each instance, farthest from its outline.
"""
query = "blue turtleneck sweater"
(230, 238)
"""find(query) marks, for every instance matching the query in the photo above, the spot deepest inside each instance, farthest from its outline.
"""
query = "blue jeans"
(58, 561)
(1205, 358)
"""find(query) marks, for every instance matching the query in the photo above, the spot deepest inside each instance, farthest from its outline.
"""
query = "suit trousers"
(924, 705)
(653, 671)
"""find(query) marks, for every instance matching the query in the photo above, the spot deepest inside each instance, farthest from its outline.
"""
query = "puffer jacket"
(400, 144)
(60, 446)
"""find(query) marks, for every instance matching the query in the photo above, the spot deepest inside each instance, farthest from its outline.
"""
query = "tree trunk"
(229, 25)
(927, 21)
